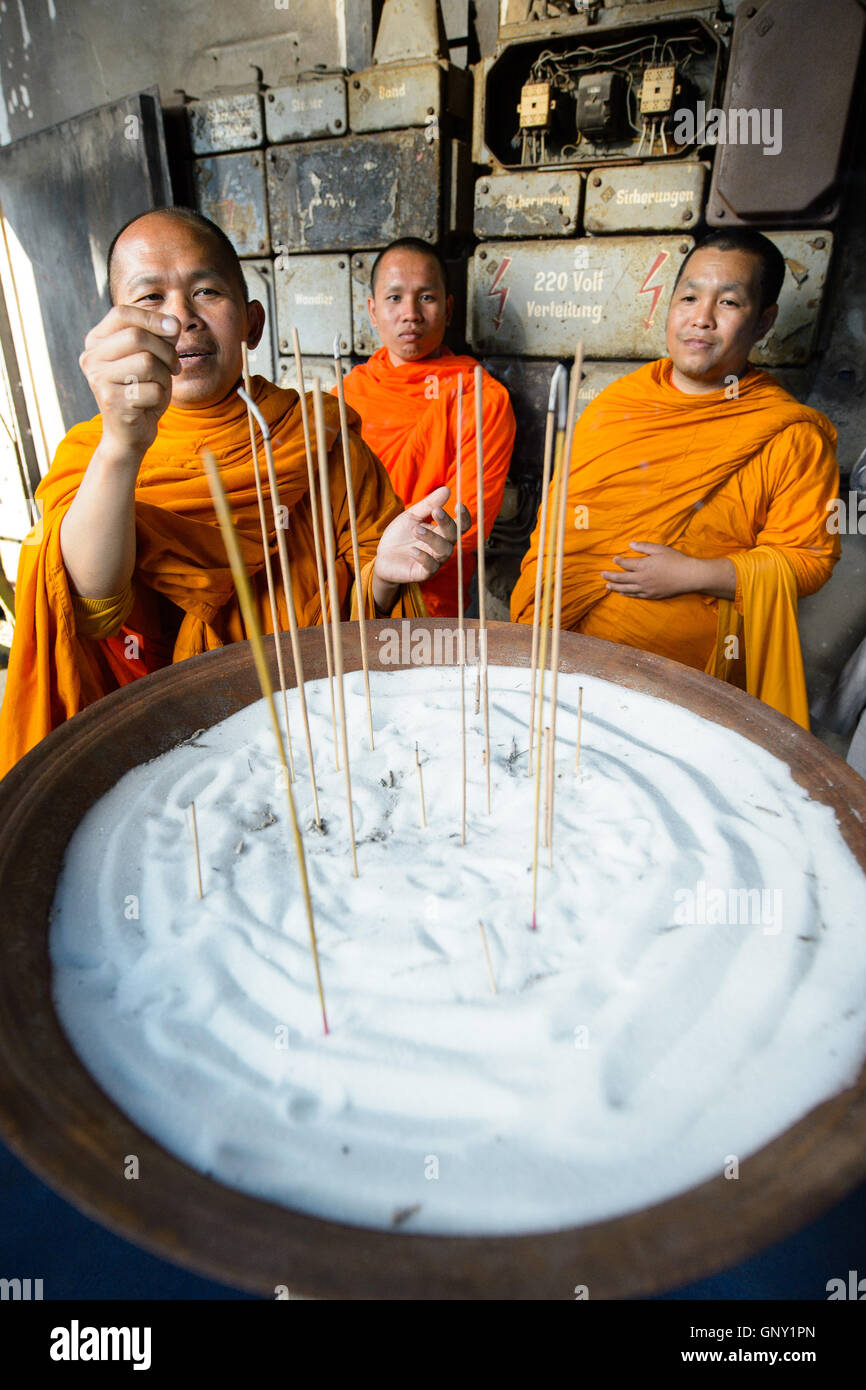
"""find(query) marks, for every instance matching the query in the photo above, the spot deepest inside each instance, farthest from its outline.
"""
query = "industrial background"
(539, 143)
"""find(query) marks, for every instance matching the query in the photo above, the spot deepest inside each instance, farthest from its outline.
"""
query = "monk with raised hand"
(127, 571)
(406, 397)
(699, 491)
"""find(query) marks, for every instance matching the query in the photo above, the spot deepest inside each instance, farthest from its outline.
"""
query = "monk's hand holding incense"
(660, 571)
(415, 546)
(130, 361)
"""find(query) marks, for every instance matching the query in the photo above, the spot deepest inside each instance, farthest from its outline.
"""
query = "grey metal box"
(306, 109)
(259, 276)
(314, 295)
(531, 204)
(645, 198)
(398, 95)
(230, 189)
(361, 191)
(791, 340)
(322, 367)
(366, 339)
(596, 376)
(217, 124)
(538, 298)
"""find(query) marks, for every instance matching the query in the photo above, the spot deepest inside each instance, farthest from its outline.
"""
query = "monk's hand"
(415, 545)
(129, 359)
(656, 571)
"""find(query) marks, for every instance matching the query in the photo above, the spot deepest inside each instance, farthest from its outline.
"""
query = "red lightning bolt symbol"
(654, 290)
(501, 293)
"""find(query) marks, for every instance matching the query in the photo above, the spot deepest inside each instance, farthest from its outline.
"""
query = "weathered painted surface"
(259, 276)
(792, 337)
(230, 189)
(645, 197)
(307, 109)
(221, 124)
(314, 295)
(532, 204)
(354, 193)
(539, 298)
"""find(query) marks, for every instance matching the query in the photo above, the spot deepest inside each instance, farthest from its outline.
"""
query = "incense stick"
(545, 488)
(482, 609)
(322, 450)
(195, 845)
(267, 552)
(559, 445)
(286, 572)
(421, 788)
(579, 720)
(317, 540)
(493, 988)
(353, 525)
(461, 621)
(559, 569)
(245, 597)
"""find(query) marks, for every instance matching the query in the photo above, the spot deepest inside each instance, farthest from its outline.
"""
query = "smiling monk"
(707, 486)
(406, 396)
(126, 571)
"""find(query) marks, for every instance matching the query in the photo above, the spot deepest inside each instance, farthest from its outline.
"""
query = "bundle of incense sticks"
(251, 621)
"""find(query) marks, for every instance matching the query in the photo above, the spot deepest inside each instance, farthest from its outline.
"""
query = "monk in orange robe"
(126, 570)
(708, 486)
(406, 396)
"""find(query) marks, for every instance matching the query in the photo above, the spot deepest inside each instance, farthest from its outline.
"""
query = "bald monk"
(406, 396)
(699, 490)
(127, 571)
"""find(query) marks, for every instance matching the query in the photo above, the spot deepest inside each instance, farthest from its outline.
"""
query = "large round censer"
(64, 1127)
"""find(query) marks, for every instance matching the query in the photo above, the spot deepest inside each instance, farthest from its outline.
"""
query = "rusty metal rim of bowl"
(63, 1126)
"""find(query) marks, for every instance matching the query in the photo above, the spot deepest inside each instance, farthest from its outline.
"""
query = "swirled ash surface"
(696, 984)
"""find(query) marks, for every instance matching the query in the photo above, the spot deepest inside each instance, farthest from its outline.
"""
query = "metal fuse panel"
(366, 339)
(350, 194)
(230, 190)
(217, 124)
(259, 276)
(531, 204)
(596, 376)
(412, 94)
(645, 198)
(303, 110)
(538, 298)
(322, 367)
(792, 338)
(314, 295)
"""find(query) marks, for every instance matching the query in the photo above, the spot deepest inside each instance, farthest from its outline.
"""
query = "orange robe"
(409, 419)
(183, 597)
(750, 478)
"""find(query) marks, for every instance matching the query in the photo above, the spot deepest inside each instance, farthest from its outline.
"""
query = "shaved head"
(226, 256)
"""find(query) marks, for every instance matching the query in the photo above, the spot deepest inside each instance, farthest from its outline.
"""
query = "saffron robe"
(409, 419)
(750, 477)
(183, 600)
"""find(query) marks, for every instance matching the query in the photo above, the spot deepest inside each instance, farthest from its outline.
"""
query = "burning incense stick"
(461, 621)
(317, 540)
(322, 450)
(542, 532)
(269, 572)
(195, 845)
(353, 524)
(493, 988)
(559, 567)
(286, 572)
(482, 608)
(245, 597)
